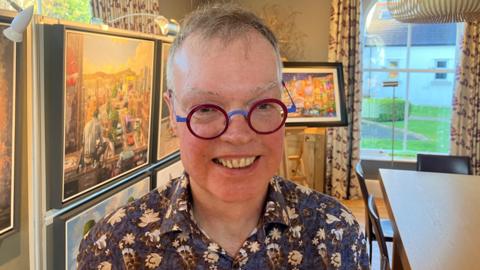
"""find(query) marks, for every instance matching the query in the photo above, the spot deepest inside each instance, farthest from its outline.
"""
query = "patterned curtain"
(465, 132)
(108, 10)
(343, 142)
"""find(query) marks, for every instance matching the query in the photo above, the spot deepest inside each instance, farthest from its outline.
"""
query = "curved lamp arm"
(167, 27)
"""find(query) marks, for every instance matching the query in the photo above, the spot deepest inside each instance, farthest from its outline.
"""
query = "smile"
(235, 163)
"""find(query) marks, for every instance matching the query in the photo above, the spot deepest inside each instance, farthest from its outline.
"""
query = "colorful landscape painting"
(108, 91)
(77, 227)
(7, 127)
(313, 93)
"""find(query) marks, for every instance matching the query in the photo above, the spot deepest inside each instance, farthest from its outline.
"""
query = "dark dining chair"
(443, 164)
(385, 223)
(377, 228)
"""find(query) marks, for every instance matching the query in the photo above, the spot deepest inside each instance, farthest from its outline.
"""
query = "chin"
(235, 190)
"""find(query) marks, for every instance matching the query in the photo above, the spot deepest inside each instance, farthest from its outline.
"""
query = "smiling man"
(229, 210)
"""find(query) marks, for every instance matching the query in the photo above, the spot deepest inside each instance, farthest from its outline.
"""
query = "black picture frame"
(11, 148)
(64, 188)
(65, 233)
(317, 89)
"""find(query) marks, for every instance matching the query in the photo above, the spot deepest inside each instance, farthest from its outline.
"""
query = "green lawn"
(436, 133)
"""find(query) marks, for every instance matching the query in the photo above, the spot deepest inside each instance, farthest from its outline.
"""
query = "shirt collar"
(178, 215)
(275, 206)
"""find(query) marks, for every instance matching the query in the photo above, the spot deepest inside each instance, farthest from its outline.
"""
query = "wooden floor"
(358, 209)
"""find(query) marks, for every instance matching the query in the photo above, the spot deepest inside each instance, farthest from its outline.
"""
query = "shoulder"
(327, 225)
(326, 210)
(105, 241)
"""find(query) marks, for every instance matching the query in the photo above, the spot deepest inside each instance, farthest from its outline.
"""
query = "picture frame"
(100, 97)
(67, 230)
(168, 171)
(317, 89)
(167, 141)
(10, 147)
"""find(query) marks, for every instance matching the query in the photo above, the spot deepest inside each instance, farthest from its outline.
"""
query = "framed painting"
(169, 171)
(7, 133)
(317, 90)
(69, 229)
(105, 96)
(167, 142)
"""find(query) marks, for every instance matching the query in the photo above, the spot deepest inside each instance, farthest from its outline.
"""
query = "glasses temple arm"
(293, 107)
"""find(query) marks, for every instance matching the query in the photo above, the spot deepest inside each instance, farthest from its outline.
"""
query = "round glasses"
(209, 121)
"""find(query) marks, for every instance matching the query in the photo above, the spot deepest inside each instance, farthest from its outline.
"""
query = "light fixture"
(167, 27)
(434, 11)
(15, 31)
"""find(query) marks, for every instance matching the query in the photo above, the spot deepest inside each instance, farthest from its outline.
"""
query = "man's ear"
(168, 98)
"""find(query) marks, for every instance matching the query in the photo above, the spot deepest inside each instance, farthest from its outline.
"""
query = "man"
(92, 141)
(228, 211)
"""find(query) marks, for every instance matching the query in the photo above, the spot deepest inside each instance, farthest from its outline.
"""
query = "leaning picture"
(7, 127)
(78, 227)
(107, 108)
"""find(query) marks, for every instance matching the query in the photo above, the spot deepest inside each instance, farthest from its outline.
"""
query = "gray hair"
(225, 21)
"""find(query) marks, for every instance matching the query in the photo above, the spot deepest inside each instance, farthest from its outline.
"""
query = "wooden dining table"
(435, 217)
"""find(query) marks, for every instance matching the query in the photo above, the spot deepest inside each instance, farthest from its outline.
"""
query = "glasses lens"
(207, 121)
(267, 116)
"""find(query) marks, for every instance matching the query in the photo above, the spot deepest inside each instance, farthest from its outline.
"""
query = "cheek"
(274, 143)
(194, 152)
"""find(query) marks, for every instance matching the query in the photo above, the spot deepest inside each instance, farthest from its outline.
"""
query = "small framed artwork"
(169, 171)
(8, 58)
(69, 229)
(99, 99)
(317, 90)
(167, 142)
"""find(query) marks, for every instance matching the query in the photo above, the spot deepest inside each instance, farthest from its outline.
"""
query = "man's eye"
(265, 106)
(206, 110)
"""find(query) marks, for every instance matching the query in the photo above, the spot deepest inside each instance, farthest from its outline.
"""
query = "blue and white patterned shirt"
(299, 229)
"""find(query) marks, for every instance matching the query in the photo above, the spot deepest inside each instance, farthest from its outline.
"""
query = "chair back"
(361, 181)
(384, 263)
(377, 228)
(443, 164)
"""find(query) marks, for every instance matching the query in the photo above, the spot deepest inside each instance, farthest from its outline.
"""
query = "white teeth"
(237, 163)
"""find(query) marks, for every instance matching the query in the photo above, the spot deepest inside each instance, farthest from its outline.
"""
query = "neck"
(227, 223)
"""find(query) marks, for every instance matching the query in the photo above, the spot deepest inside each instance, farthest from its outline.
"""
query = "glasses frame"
(244, 113)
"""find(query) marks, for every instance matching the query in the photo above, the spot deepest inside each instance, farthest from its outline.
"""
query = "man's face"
(233, 77)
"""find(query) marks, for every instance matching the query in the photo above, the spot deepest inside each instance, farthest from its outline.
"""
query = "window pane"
(427, 57)
(383, 115)
(385, 39)
(70, 10)
(430, 112)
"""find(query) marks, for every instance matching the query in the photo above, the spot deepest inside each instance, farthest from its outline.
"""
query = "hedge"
(380, 109)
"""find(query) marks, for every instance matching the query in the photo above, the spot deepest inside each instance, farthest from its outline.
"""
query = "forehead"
(213, 66)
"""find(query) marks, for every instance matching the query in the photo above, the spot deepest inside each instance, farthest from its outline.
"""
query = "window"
(413, 117)
(70, 10)
(440, 64)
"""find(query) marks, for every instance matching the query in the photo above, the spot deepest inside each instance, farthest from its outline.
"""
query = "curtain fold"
(342, 151)
(465, 130)
(112, 9)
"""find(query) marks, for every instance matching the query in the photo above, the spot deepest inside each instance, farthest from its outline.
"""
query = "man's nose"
(238, 131)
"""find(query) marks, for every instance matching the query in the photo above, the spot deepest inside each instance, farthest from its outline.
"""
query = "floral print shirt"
(299, 229)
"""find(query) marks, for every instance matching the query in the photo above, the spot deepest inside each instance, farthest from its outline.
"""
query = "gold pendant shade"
(434, 11)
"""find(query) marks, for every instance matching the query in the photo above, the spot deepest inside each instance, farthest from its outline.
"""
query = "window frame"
(379, 154)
